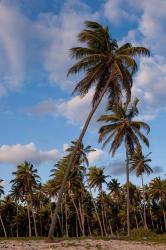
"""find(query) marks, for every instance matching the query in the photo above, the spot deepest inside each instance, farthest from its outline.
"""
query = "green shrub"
(141, 232)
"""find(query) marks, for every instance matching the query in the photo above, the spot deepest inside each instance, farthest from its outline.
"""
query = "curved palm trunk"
(72, 158)
(143, 189)
(3, 226)
(128, 195)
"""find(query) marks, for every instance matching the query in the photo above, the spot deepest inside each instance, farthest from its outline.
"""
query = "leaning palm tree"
(108, 69)
(121, 128)
(140, 164)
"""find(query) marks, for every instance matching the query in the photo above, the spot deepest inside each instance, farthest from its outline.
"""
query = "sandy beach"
(80, 244)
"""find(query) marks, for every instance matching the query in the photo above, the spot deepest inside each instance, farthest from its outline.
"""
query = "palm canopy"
(75, 177)
(122, 128)
(102, 59)
(114, 186)
(157, 188)
(81, 152)
(140, 163)
(96, 177)
(26, 179)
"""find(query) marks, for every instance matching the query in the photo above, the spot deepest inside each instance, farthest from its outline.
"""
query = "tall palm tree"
(157, 189)
(140, 164)
(121, 128)
(108, 68)
(25, 181)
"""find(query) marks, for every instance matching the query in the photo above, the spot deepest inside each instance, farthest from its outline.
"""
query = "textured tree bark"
(143, 189)
(72, 158)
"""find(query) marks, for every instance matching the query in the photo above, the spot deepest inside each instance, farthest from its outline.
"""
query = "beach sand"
(79, 244)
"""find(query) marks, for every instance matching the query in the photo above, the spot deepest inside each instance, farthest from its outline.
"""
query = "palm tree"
(96, 179)
(140, 164)
(157, 189)
(24, 184)
(108, 68)
(74, 183)
(121, 128)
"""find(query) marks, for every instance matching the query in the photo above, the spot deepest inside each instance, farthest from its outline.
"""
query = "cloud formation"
(149, 25)
(15, 154)
(95, 156)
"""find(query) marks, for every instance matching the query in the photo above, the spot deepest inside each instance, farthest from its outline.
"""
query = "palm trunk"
(151, 218)
(110, 226)
(128, 194)
(60, 225)
(62, 219)
(17, 220)
(78, 217)
(102, 213)
(76, 228)
(143, 189)
(136, 221)
(81, 219)
(33, 216)
(142, 219)
(98, 217)
(3, 226)
(34, 221)
(72, 158)
(66, 219)
(29, 220)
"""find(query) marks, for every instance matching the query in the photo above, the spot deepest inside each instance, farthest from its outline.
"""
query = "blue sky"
(39, 116)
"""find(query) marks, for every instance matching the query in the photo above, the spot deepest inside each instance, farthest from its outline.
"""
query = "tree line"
(93, 203)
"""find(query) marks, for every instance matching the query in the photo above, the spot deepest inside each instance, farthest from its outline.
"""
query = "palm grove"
(66, 205)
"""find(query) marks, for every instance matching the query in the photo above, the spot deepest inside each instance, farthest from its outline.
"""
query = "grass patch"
(136, 236)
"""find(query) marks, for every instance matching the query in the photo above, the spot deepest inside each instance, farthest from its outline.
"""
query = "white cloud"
(75, 110)
(65, 146)
(11, 48)
(118, 11)
(150, 87)
(63, 30)
(150, 81)
(95, 156)
(15, 154)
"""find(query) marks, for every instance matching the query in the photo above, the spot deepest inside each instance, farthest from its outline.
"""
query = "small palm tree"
(140, 164)
(96, 179)
(157, 190)
(25, 182)
(108, 68)
(121, 128)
